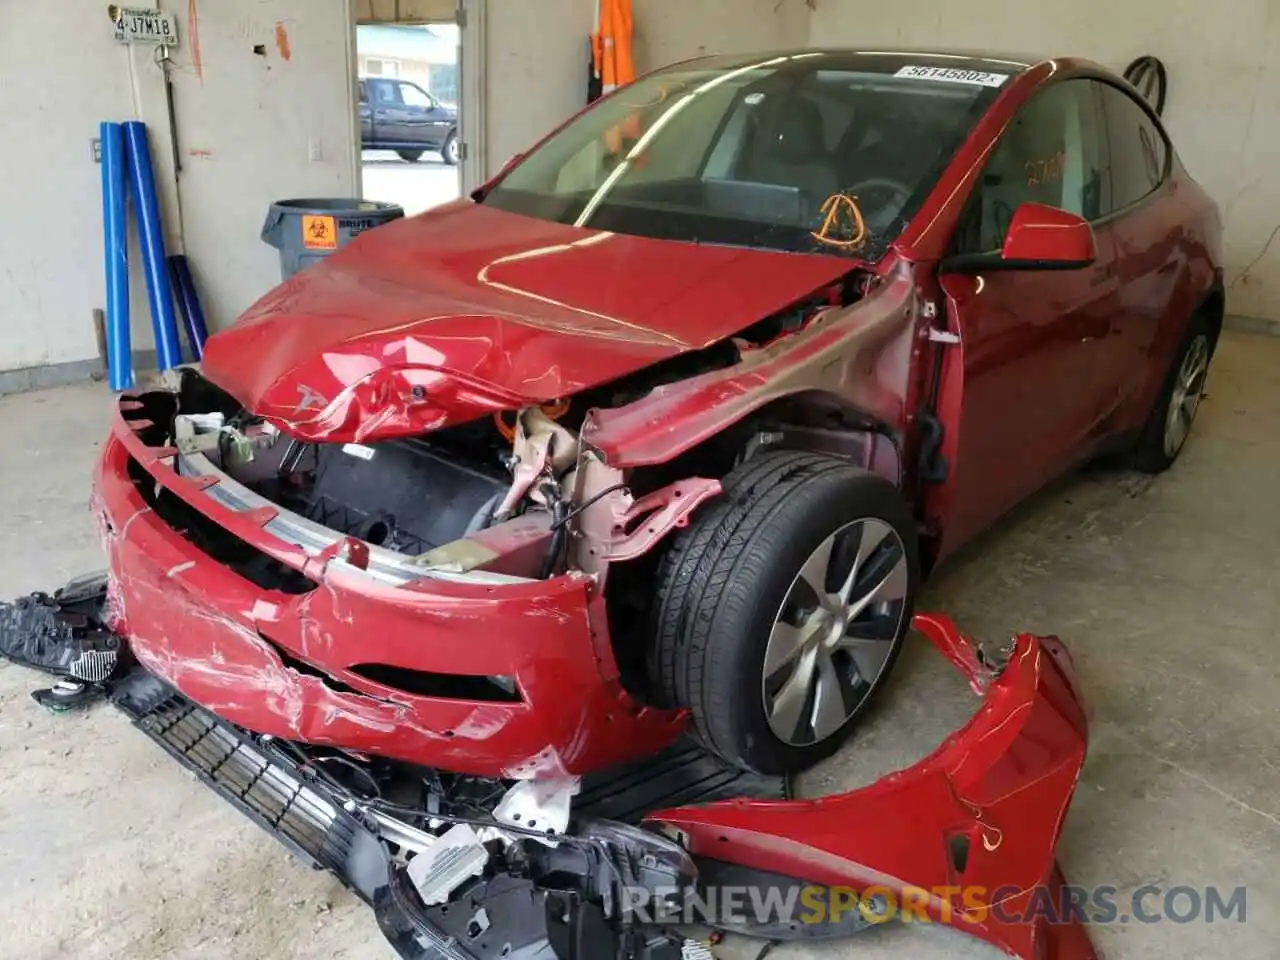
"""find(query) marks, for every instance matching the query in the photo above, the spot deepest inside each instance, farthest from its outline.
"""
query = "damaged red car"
(658, 431)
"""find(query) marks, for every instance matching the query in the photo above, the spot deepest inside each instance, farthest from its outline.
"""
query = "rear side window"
(1051, 153)
(1139, 151)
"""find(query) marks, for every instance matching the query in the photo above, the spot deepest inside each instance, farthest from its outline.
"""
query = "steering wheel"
(880, 200)
(873, 185)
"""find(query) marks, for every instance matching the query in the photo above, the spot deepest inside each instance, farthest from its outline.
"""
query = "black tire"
(1154, 451)
(449, 151)
(410, 156)
(731, 574)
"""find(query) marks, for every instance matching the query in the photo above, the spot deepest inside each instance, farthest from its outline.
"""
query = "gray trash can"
(305, 231)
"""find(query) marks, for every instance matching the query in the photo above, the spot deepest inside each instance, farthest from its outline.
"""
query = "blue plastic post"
(115, 250)
(151, 235)
(188, 303)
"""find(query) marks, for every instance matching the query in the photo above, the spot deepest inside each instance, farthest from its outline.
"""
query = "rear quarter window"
(1139, 154)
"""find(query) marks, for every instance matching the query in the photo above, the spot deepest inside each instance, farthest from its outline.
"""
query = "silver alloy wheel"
(1188, 388)
(834, 632)
(451, 150)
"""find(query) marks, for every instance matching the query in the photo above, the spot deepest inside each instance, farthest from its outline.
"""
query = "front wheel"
(409, 156)
(782, 609)
(450, 152)
(1169, 423)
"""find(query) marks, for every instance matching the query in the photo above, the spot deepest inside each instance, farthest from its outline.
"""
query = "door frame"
(472, 18)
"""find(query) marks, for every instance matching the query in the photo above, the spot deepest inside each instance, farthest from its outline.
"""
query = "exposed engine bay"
(420, 496)
(433, 497)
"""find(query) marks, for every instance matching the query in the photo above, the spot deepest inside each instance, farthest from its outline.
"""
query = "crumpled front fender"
(974, 824)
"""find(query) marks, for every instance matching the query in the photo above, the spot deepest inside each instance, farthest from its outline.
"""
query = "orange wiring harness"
(554, 410)
(842, 215)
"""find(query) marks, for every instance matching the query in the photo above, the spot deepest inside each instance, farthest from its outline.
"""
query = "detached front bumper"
(296, 664)
(965, 837)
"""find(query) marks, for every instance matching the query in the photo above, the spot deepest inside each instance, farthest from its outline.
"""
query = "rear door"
(1025, 371)
(1146, 221)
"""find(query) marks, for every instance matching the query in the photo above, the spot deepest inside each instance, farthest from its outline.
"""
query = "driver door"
(421, 115)
(1030, 385)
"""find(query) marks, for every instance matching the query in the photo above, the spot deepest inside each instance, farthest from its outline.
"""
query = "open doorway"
(409, 86)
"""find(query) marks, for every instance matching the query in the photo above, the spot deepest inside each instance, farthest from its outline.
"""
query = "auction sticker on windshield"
(952, 75)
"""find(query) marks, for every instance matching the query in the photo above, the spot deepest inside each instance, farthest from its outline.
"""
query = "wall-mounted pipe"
(115, 256)
(151, 235)
(188, 303)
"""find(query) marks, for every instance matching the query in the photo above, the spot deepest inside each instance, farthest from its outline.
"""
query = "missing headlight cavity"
(237, 555)
(448, 686)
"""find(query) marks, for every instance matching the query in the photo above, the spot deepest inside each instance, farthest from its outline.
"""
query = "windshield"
(810, 152)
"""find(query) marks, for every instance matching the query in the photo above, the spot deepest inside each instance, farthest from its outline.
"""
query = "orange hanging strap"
(617, 65)
(623, 65)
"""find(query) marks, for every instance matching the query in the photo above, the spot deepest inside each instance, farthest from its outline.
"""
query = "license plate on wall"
(134, 25)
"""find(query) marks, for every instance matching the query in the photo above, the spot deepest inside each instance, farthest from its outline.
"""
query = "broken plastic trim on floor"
(983, 812)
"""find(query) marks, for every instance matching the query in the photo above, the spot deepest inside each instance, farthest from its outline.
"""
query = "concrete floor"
(415, 186)
(1165, 590)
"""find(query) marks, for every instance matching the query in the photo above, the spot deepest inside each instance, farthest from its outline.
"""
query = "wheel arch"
(806, 421)
(1213, 308)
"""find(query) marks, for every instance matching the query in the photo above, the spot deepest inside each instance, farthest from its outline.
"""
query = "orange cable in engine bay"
(553, 410)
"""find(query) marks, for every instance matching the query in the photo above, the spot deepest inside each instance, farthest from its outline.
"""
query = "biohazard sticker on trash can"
(319, 233)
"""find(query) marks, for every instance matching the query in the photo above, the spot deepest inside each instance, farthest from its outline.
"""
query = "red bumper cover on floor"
(966, 836)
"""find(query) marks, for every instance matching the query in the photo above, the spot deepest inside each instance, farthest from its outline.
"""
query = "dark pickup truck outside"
(399, 115)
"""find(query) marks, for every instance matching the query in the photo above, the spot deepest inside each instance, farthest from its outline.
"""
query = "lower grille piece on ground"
(302, 815)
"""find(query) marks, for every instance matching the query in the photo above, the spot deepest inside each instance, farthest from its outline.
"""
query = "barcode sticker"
(952, 75)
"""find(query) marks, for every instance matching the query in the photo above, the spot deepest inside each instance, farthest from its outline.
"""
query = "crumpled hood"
(441, 318)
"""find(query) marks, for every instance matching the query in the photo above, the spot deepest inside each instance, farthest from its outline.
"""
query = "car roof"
(871, 58)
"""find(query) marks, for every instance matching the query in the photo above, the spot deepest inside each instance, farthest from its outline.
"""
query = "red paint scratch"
(282, 41)
(193, 35)
(202, 154)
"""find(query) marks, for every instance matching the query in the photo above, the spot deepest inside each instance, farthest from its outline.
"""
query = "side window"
(415, 96)
(1139, 151)
(364, 92)
(1050, 153)
(386, 94)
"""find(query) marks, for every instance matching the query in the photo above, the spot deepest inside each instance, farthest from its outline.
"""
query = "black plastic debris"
(64, 635)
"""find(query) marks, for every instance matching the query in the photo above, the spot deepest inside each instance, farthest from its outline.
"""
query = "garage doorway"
(408, 89)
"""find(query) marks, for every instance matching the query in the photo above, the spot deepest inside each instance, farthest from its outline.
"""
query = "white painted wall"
(247, 126)
(671, 30)
(51, 243)
(1223, 110)
(244, 126)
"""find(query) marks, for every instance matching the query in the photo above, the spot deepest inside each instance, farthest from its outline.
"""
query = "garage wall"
(256, 127)
(246, 125)
(667, 32)
(51, 244)
(1223, 111)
